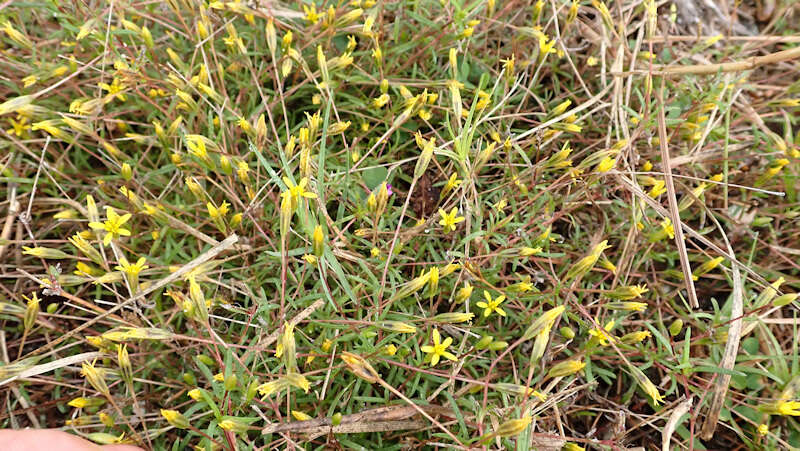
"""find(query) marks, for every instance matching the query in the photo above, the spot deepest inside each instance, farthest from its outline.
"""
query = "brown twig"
(673, 202)
(733, 66)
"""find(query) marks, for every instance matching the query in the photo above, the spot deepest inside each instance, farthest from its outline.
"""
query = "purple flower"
(389, 188)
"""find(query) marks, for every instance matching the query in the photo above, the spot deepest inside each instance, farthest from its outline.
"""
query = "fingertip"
(121, 448)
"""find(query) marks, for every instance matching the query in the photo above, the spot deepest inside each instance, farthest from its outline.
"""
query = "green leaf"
(373, 177)
(715, 369)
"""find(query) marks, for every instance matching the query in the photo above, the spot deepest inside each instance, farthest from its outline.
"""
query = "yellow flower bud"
(301, 416)
(95, 378)
(566, 368)
(397, 326)
(513, 427)
(453, 318)
(195, 394)
(175, 418)
(360, 367)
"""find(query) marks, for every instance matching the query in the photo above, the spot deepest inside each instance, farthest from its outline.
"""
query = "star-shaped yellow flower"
(112, 225)
(492, 305)
(546, 46)
(603, 336)
(452, 182)
(131, 268)
(115, 89)
(295, 192)
(449, 220)
(311, 14)
(791, 408)
(439, 348)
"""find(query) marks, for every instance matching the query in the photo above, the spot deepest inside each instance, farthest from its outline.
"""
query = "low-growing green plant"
(422, 224)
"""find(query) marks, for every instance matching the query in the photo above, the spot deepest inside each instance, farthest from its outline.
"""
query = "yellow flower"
(521, 287)
(483, 101)
(763, 429)
(115, 89)
(29, 81)
(295, 192)
(492, 305)
(602, 335)
(217, 213)
(433, 281)
(242, 169)
(606, 164)
(452, 183)
(112, 225)
(449, 220)
(131, 269)
(311, 14)
(380, 101)
(244, 125)
(318, 241)
(508, 67)
(791, 408)
(545, 47)
(197, 146)
(19, 128)
(439, 349)
(659, 188)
